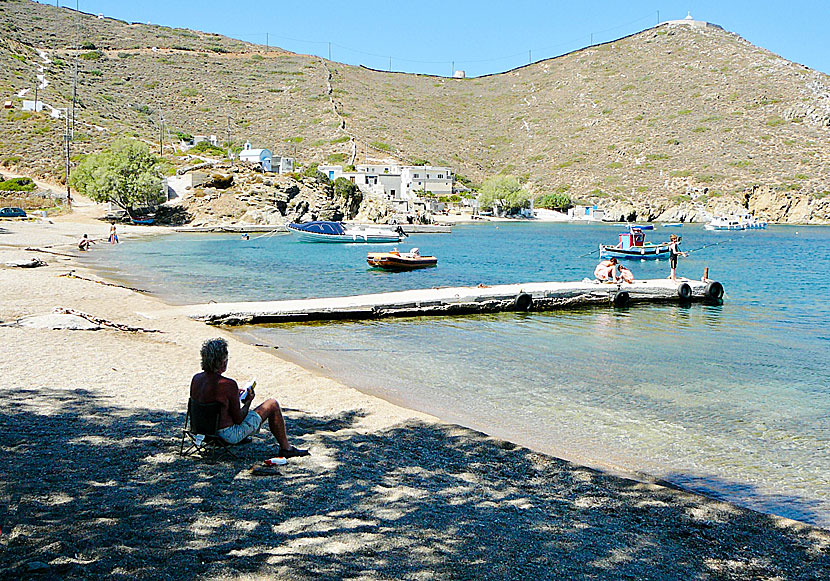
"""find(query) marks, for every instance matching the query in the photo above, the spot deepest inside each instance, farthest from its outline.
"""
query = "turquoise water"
(730, 400)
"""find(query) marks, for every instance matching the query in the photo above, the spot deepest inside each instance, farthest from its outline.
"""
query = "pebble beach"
(93, 486)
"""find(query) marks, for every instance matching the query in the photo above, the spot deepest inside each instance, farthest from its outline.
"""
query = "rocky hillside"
(658, 125)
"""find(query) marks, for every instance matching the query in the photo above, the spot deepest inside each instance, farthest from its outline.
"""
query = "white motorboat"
(325, 231)
(735, 222)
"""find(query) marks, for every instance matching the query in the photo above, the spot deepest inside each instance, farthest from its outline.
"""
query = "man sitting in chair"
(236, 420)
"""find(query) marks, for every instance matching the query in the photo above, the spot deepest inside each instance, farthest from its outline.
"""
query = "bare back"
(214, 387)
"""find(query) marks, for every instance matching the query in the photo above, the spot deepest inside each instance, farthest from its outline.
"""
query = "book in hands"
(246, 389)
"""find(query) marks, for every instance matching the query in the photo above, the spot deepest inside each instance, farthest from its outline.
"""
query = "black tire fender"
(684, 291)
(523, 302)
(714, 291)
(621, 299)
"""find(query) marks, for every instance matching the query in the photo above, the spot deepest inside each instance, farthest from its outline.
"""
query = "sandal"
(292, 452)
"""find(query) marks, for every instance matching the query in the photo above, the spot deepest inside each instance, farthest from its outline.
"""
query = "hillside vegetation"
(657, 125)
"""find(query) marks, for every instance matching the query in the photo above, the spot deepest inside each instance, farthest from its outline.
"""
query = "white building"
(282, 165)
(586, 213)
(426, 178)
(256, 156)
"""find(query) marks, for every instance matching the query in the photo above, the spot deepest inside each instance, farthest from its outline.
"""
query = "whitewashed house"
(426, 178)
(282, 165)
(586, 213)
(262, 157)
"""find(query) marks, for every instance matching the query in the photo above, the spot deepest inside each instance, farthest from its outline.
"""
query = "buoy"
(684, 291)
(523, 302)
(714, 291)
(621, 299)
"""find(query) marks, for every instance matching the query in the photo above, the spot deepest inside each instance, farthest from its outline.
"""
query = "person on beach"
(625, 274)
(674, 252)
(237, 420)
(606, 271)
(113, 239)
(83, 243)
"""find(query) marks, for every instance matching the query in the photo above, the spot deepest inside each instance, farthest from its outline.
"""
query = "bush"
(17, 185)
(336, 158)
(208, 148)
(555, 202)
(92, 55)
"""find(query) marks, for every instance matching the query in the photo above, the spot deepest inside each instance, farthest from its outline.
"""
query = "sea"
(730, 400)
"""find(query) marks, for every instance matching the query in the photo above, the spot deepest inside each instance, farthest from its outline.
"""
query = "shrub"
(380, 145)
(775, 121)
(336, 158)
(208, 148)
(555, 201)
(17, 185)
(92, 55)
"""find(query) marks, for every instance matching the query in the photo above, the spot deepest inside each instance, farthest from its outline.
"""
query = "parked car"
(12, 213)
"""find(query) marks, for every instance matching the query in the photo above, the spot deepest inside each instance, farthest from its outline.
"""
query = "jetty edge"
(448, 301)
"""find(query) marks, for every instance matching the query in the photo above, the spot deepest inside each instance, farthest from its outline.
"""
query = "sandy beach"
(92, 485)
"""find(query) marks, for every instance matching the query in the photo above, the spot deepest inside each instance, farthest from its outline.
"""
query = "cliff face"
(673, 122)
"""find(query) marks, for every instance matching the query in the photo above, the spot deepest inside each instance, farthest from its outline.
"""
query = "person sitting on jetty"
(606, 271)
(83, 243)
(236, 420)
(625, 274)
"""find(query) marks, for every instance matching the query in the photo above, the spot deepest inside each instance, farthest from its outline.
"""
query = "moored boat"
(326, 231)
(633, 244)
(400, 260)
(735, 222)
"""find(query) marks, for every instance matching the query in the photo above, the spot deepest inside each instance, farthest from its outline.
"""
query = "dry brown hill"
(654, 125)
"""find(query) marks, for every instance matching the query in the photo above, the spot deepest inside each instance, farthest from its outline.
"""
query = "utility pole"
(390, 64)
(67, 136)
(230, 155)
(161, 133)
(658, 18)
(267, 45)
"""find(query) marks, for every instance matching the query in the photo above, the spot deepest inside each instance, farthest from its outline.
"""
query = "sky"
(480, 37)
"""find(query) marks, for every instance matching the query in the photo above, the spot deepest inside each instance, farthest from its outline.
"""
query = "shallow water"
(732, 400)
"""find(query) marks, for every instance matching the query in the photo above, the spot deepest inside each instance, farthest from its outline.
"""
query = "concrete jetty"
(536, 296)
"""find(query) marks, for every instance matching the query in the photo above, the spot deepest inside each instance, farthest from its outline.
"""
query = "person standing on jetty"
(236, 420)
(674, 252)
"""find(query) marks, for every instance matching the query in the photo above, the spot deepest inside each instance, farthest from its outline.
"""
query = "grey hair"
(214, 354)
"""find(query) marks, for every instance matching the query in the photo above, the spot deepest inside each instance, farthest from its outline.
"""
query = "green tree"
(556, 201)
(505, 192)
(126, 174)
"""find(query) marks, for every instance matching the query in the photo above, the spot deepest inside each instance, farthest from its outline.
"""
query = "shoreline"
(419, 471)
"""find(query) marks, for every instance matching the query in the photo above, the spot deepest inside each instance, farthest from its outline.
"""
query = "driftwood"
(71, 274)
(31, 249)
(31, 263)
(102, 322)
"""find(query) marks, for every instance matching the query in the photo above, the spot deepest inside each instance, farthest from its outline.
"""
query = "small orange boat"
(395, 260)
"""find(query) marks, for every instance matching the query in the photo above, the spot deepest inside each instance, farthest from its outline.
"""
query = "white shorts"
(238, 432)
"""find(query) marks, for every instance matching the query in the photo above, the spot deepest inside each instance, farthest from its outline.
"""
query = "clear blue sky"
(479, 37)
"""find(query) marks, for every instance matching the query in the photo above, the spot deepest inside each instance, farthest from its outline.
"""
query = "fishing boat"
(736, 222)
(325, 231)
(633, 244)
(400, 260)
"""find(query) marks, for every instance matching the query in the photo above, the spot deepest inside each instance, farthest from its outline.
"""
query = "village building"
(261, 157)
(586, 213)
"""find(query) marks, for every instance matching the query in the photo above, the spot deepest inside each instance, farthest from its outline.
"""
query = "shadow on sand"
(92, 491)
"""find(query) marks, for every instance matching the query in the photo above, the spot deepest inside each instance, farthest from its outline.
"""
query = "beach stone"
(57, 321)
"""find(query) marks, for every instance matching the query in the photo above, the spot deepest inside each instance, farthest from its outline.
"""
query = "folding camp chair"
(200, 432)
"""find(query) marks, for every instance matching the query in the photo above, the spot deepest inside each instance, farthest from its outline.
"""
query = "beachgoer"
(245, 236)
(625, 274)
(113, 239)
(674, 252)
(83, 243)
(236, 420)
(607, 270)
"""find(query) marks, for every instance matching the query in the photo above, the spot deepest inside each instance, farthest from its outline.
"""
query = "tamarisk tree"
(126, 174)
